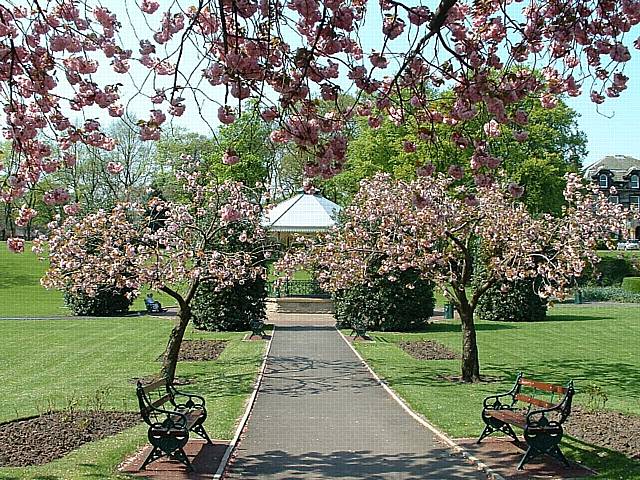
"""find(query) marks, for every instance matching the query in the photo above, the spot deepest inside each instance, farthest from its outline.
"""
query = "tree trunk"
(170, 360)
(470, 361)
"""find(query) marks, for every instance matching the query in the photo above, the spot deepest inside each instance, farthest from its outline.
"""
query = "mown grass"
(619, 253)
(589, 344)
(90, 363)
(21, 294)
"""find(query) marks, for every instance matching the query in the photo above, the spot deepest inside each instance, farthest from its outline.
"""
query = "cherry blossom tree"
(170, 247)
(62, 60)
(435, 226)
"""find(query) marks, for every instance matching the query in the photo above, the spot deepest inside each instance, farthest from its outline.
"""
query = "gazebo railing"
(296, 288)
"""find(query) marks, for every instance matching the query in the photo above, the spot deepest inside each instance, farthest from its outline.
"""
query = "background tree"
(126, 248)
(537, 158)
(433, 225)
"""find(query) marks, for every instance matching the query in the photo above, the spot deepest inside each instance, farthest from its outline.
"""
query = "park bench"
(542, 425)
(171, 415)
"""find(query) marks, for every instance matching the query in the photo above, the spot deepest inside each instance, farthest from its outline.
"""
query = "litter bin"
(577, 297)
(448, 310)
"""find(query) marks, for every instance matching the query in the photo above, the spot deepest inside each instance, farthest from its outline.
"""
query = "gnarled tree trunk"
(170, 360)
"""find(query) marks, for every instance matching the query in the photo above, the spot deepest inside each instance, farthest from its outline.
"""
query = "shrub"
(386, 305)
(230, 309)
(611, 271)
(108, 301)
(608, 294)
(631, 284)
(519, 303)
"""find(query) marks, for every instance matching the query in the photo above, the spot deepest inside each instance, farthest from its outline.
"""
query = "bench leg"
(199, 430)
(528, 456)
(557, 453)
(495, 425)
(180, 456)
(154, 455)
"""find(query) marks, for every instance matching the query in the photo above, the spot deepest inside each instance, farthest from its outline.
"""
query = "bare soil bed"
(39, 440)
(613, 430)
(199, 350)
(428, 350)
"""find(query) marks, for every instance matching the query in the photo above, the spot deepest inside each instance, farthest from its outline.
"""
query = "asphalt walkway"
(319, 414)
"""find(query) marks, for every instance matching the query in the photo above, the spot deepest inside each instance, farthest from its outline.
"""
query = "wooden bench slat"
(534, 401)
(154, 386)
(509, 416)
(547, 387)
(160, 401)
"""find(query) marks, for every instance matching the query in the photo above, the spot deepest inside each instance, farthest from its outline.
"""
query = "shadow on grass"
(608, 463)
(13, 280)
(575, 318)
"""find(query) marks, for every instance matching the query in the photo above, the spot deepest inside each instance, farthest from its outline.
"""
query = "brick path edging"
(492, 474)
(243, 421)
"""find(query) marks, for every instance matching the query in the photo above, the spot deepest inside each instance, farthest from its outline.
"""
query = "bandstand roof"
(304, 212)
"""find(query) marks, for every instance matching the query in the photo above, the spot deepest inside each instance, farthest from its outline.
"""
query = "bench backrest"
(565, 395)
(150, 397)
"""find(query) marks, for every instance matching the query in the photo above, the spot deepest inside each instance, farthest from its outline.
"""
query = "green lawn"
(54, 363)
(21, 294)
(591, 345)
(619, 253)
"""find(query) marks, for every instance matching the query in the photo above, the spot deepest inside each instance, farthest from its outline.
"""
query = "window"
(635, 181)
(634, 201)
(613, 198)
(604, 180)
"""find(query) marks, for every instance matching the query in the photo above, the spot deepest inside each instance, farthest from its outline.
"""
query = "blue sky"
(611, 128)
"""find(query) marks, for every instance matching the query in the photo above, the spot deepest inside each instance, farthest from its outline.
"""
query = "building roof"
(302, 213)
(619, 165)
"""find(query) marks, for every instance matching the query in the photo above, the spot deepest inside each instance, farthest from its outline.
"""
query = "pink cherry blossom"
(15, 245)
(408, 146)
(456, 172)
(149, 6)
(72, 208)
(226, 115)
(515, 190)
(230, 157)
(492, 129)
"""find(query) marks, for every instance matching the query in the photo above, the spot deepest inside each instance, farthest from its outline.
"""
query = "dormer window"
(604, 180)
(634, 181)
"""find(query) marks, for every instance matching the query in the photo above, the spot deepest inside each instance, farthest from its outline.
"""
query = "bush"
(611, 271)
(608, 294)
(231, 309)
(631, 284)
(108, 301)
(386, 305)
(519, 303)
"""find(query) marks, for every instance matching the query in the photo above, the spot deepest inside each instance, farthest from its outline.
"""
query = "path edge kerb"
(423, 421)
(243, 421)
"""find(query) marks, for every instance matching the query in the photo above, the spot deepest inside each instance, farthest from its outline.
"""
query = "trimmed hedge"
(608, 294)
(519, 303)
(108, 301)
(230, 309)
(631, 284)
(385, 305)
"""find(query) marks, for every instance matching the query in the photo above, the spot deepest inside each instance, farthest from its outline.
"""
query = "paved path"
(319, 414)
